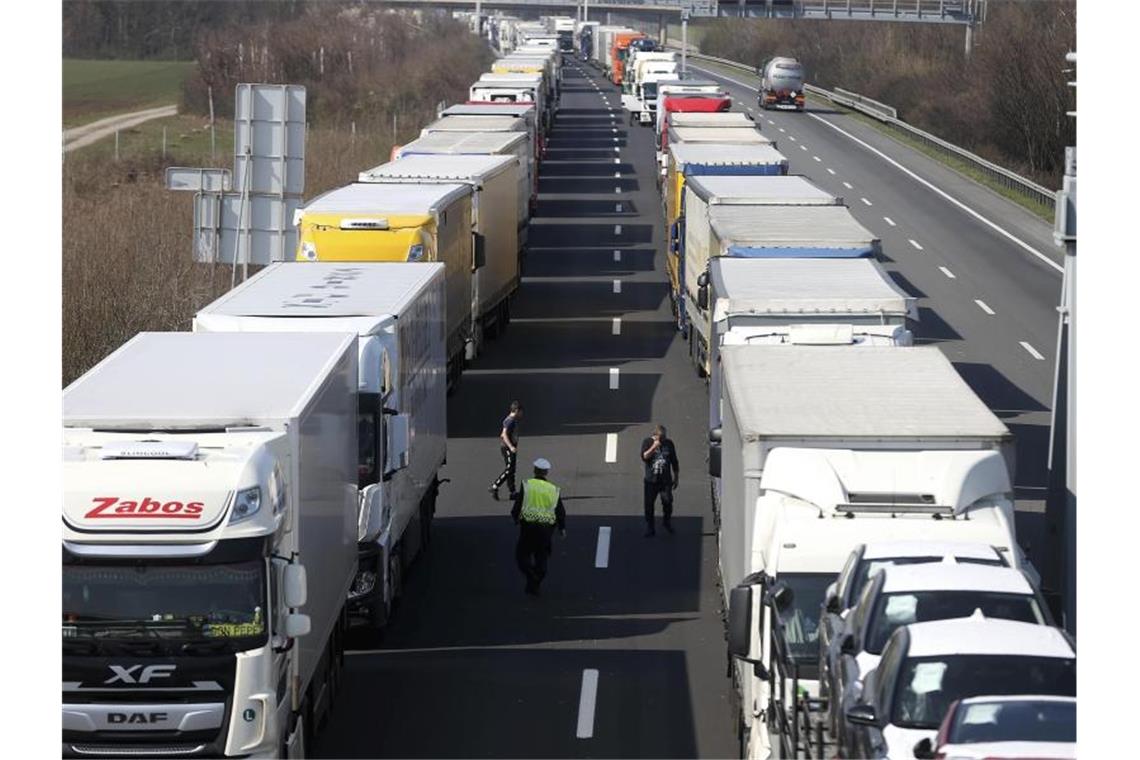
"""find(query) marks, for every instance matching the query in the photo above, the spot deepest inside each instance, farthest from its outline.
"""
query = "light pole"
(684, 42)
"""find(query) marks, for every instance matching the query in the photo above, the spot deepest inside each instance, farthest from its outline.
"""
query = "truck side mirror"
(703, 297)
(479, 250)
(831, 600)
(924, 749)
(399, 441)
(740, 621)
(782, 596)
(294, 585)
(295, 624)
(714, 452)
(703, 280)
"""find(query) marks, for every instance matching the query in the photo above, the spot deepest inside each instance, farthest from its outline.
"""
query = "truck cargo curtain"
(763, 170)
(771, 252)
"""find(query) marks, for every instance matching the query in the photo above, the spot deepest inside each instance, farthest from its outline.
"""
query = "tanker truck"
(781, 84)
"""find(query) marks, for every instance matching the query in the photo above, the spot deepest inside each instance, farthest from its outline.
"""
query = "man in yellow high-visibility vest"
(537, 511)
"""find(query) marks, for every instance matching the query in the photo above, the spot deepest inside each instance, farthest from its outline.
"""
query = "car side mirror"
(863, 715)
(924, 749)
(847, 645)
(714, 452)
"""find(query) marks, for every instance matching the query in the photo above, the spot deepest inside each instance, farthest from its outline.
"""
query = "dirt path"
(78, 137)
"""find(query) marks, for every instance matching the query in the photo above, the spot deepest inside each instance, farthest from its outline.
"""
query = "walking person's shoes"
(668, 525)
(494, 491)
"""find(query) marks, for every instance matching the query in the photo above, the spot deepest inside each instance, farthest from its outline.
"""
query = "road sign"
(238, 228)
(269, 138)
(198, 180)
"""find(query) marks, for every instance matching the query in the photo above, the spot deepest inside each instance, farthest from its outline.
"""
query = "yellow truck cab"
(368, 221)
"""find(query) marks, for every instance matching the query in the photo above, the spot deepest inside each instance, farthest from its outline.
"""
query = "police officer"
(537, 511)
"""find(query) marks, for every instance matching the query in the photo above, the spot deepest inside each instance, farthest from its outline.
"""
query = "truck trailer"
(368, 221)
(525, 111)
(397, 312)
(781, 84)
(209, 543)
(823, 448)
(494, 209)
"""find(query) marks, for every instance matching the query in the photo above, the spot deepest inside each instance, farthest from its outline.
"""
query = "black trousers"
(533, 550)
(510, 459)
(652, 491)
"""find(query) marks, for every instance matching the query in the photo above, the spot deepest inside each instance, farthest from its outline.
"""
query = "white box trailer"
(515, 88)
(523, 110)
(515, 144)
(210, 515)
(712, 119)
(823, 448)
(494, 209)
(397, 312)
(369, 221)
(812, 302)
(742, 135)
(765, 231)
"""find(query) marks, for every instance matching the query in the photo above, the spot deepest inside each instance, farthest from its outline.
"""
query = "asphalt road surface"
(628, 659)
(473, 667)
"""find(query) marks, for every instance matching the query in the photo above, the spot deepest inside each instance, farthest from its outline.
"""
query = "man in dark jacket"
(537, 511)
(662, 475)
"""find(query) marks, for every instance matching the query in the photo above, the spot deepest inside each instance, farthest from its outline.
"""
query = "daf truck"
(823, 448)
(209, 543)
(368, 221)
(397, 313)
(495, 222)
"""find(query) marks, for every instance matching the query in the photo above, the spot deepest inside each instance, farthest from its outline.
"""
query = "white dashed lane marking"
(982, 305)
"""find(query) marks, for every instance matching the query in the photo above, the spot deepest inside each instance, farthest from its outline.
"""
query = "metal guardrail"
(888, 115)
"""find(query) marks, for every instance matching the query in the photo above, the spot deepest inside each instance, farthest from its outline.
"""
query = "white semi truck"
(397, 312)
(823, 448)
(209, 543)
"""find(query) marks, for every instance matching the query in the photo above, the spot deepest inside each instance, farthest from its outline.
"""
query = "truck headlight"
(309, 251)
(247, 502)
(416, 252)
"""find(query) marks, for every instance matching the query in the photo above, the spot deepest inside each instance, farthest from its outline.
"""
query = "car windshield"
(928, 685)
(894, 610)
(801, 618)
(164, 602)
(1018, 720)
(869, 567)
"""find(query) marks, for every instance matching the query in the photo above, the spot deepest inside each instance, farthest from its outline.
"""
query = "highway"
(623, 654)
(984, 299)
(623, 660)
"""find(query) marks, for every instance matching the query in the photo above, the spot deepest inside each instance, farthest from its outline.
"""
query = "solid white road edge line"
(948, 273)
(982, 305)
(602, 554)
(587, 703)
(1010, 236)
(615, 375)
(1032, 351)
(611, 447)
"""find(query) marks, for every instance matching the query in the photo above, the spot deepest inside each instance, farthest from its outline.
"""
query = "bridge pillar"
(662, 29)
(609, 20)
(969, 39)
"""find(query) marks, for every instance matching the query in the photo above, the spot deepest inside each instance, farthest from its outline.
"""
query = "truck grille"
(137, 750)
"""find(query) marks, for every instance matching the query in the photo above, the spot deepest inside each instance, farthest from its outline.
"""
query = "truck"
(603, 45)
(712, 119)
(564, 29)
(707, 191)
(764, 232)
(639, 91)
(486, 144)
(823, 448)
(515, 88)
(797, 302)
(586, 35)
(396, 312)
(495, 223)
(684, 97)
(702, 160)
(532, 61)
(742, 135)
(526, 111)
(781, 84)
(368, 221)
(209, 543)
(620, 50)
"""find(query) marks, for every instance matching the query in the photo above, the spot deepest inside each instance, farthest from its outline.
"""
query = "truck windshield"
(928, 685)
(906, 607)
(649, 90)
(177, 603)
(801, 618)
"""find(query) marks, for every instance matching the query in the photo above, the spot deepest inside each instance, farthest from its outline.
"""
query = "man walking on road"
(538, 509)
(662, 475)
(509, 448)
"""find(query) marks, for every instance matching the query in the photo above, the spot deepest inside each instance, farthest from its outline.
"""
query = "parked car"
(1006, 727)
(902, 595)
(925, 667)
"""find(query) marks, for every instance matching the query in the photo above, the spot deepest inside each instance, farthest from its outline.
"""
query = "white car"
(901, 595)
(979, 728)
(925, 667)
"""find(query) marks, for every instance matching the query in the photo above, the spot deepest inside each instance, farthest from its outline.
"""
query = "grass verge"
(94, 89)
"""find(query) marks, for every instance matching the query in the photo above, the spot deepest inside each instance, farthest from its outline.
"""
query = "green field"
(94, 89)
